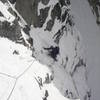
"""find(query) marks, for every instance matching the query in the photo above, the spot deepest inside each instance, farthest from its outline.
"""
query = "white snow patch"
(6, 86)
(10, 63)
(7, 15)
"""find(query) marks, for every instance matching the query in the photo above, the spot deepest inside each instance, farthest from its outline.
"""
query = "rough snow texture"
(60, 72)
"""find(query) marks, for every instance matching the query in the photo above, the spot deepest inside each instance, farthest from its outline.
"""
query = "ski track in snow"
(11, 76)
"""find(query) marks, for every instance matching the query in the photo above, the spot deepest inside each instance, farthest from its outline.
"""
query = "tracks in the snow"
(16, 78)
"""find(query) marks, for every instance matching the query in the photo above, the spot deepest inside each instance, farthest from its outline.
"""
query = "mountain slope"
(90, 31)
(60, 72)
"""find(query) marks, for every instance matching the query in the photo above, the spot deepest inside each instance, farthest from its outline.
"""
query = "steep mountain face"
(56, 45)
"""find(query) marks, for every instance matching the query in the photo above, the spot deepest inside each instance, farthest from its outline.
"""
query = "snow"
(2, 19)
(69, 52)
(67, 44)
(62, 80)
(6, 85)
(54, 92)
(90, 32)
(21, 18)
(27, 73)
(41, 41)
(4, 11)
(26, 89)
(17, 63)
(18, 80)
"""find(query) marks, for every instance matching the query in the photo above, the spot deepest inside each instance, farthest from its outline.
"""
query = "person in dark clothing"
(53, 52)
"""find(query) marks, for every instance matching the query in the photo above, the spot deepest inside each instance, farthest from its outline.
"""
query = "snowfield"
(18, 73)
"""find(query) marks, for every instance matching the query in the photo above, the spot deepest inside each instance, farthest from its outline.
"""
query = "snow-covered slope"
(53, 68)
(90, 31)
(20, 75)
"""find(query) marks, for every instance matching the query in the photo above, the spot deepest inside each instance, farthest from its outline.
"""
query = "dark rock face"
(29, 11)
(13, 29)
(40, 20)
(12, 32)
(53, 52)
(37, 16)
(7, 30)
(24, 7)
